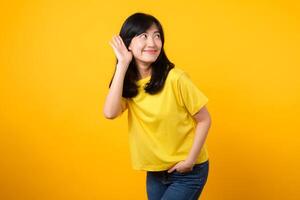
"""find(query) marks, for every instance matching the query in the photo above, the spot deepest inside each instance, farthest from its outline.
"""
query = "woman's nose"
(150, 41)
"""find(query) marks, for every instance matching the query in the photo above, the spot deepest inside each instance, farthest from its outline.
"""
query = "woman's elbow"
(109, 115)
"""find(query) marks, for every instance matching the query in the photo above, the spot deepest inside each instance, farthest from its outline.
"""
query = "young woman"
(167, 118)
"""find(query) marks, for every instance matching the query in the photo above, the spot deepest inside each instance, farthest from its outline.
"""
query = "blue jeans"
(162, 185)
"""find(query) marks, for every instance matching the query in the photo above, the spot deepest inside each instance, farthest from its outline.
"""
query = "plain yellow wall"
(56, 64)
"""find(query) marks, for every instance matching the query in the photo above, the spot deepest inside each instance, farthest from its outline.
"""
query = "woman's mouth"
(150, 51)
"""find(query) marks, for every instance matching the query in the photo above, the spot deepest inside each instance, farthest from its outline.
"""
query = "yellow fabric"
(161, 127)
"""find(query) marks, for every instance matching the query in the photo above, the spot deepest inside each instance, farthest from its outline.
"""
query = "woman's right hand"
(123, 55)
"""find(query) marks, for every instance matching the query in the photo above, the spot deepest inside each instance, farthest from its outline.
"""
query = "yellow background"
(56, 64)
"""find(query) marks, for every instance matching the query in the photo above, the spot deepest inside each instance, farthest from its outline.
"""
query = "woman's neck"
(144, 71)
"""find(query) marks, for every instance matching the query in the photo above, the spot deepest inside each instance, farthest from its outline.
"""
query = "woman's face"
(146, 47)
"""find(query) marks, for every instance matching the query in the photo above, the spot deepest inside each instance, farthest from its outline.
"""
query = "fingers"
(121, 40)
(115, 43)
(117, 40)
(112, 44)
(172, 169)
(120, 49)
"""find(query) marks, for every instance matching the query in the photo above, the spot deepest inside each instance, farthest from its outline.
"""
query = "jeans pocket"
(184, 173)
(196, 169)
(201, 165)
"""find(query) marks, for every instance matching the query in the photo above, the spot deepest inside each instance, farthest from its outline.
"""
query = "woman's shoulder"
(176, 72)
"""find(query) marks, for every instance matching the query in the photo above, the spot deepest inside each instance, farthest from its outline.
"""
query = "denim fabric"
(162, 185)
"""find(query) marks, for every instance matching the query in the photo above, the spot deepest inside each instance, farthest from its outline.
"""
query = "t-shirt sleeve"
(190, 95)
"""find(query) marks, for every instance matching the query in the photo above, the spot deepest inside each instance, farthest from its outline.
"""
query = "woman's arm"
(113, 107)
(203, 124)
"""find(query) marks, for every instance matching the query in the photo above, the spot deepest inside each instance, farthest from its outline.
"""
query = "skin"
(141, 48)
(145, 48)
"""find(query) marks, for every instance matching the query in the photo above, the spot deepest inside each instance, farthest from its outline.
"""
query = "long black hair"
(134, 25)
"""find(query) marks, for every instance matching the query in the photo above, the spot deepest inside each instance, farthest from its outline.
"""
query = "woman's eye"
(145, 36)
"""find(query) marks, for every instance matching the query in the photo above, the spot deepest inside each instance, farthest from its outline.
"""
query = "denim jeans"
(162, 185)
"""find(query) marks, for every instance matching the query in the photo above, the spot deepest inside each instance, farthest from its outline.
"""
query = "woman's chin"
(150, 59)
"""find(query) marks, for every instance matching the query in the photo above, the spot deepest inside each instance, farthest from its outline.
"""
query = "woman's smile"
(151, 51)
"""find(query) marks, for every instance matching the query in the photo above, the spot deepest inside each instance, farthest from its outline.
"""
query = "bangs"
(137, 24)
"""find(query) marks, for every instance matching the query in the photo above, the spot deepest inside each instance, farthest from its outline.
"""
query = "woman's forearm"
(112, 107)
(201, 132)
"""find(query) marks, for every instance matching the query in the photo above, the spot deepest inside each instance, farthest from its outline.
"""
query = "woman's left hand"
(182, 167)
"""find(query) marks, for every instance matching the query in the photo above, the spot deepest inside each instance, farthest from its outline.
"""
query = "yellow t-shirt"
(161, 127)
